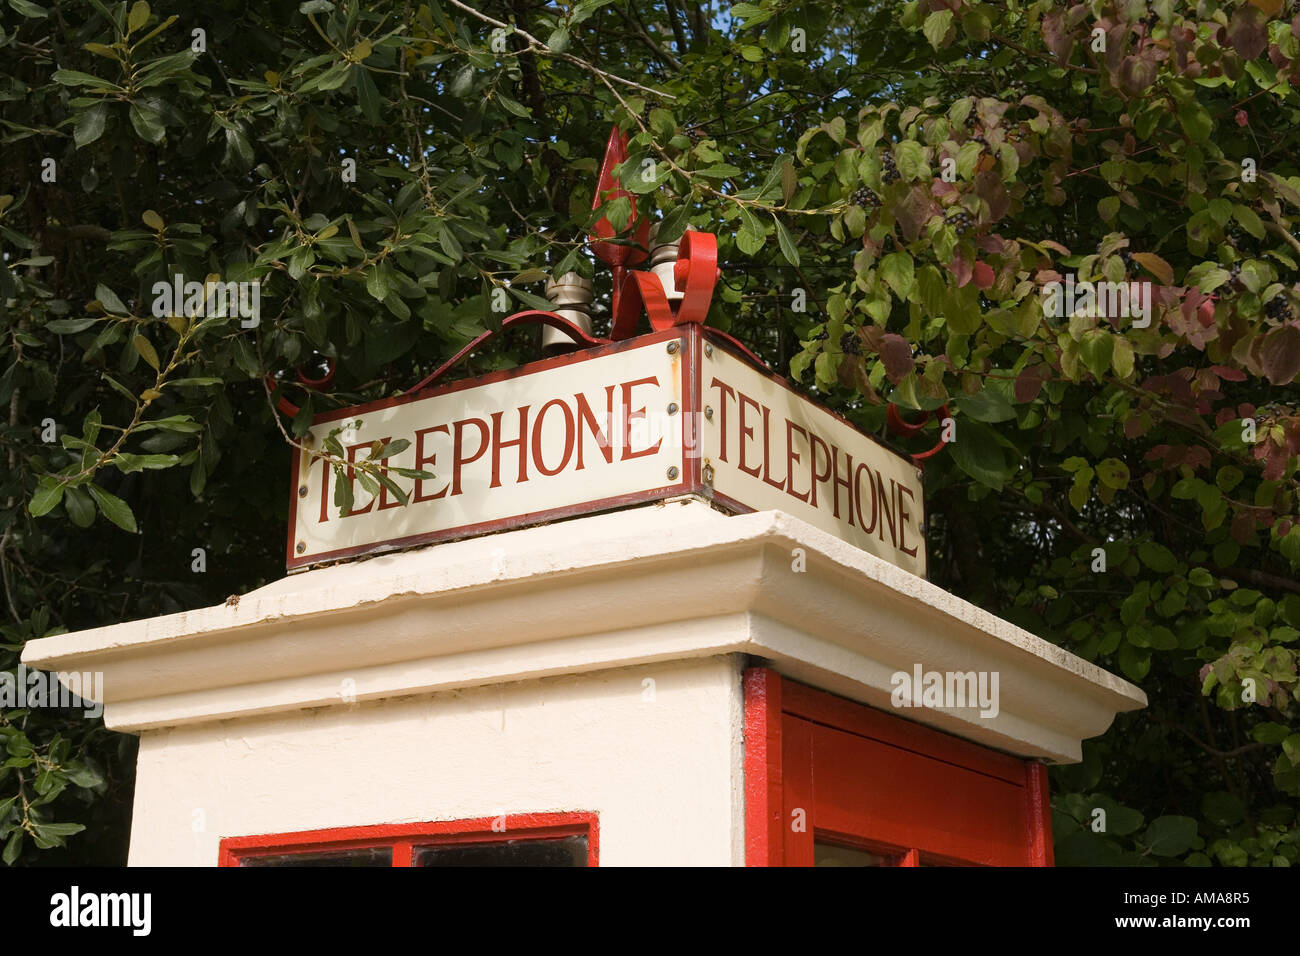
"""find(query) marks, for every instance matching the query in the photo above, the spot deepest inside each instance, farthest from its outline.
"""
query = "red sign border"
(690, 470)
(693, 338)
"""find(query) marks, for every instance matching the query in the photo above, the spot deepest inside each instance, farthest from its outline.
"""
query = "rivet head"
(673, 473)
(302, 491)
(708, 411)
(302, 546)
(672, 347)
(672, 408)
(708, 350)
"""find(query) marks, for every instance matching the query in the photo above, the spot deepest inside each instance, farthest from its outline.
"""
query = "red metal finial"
(619, 257)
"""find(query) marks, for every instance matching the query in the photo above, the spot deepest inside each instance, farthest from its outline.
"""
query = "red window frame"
(872, 781)
(405, 837)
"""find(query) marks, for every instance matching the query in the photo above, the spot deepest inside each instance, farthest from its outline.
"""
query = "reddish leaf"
(896, 352)
(983, 274)
(1156, 266)
(871, 336)
(1228, 373)
(1055, 35)
(1243, 526)
(1247, 32)
(913, 212)
(961, 270)
(1029, 383)
(1279, 354)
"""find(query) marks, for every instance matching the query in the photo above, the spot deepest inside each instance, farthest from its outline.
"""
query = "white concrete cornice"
(654, 583)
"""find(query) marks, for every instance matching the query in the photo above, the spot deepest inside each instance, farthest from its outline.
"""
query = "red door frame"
(404, 837)
(812, 759)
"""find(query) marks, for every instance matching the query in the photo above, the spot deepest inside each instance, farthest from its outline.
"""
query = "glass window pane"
(564, 851)
(828, 854)
(364, 856)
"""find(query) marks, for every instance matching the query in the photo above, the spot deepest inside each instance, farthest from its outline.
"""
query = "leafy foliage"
(893, 186)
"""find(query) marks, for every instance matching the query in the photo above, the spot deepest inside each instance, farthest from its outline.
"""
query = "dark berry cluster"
(889, 172)
(972, 120)
(658, 75)
(960, 220)
(1016, 89)
(1278, 308)
(1234, 275)
(865, 198)
(850, 344)
(1127, 258)
(821, 336)
(696, 134)
(1149, 21)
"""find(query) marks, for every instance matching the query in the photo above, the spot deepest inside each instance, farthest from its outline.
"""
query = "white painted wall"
(665, 776)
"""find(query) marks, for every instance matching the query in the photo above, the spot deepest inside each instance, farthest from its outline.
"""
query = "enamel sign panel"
(769, 448)
(672, 413)
(582, 433)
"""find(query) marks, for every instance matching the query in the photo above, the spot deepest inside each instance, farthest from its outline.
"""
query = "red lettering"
(458, 459)
(585, 414)
(498, 444)
(857, 495)
(903, 515)
(324, 490)
(568, 438)
(886, 503)
(846, 484)
(817, 476)
(639, 415)
(746, 432)
(421, 459)
(767, 453)
(724, 391)
(791, 457)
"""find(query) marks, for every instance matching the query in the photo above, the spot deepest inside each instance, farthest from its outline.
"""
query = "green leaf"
(138, 16)
(90, 125)
(978, 453)
(49, 492)
(1157, 557)
(127, 463)
(1270, 733)
(109, 300)
(1135, 662)
(1170, 835)
(1195, 121)
(147, 123)
(786, 242)
(1096, 350)
(146, 350)
(752, 235)
(899, 271)
(987, 405)
(1113, 473)
(80, 507)
(70, 326)
(936, 27)
(15, 844)
(1222, 808)
(674, 223)
(113, 508)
